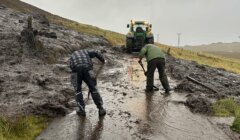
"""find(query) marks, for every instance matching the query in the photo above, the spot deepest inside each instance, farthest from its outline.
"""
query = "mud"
(226, 84)
(199, 104)
(32, 83)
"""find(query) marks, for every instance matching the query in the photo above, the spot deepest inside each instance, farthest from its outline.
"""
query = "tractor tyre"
(150, 40)
(129, 45)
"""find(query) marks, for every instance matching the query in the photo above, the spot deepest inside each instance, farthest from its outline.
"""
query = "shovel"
(154, 87)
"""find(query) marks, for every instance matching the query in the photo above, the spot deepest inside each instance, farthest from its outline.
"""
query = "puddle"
(164, 118)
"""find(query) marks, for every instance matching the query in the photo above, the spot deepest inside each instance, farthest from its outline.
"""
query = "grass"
(232, 65)
(226, 108)
(21, 127)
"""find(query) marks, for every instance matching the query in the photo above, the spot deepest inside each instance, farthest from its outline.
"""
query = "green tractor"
(138, 35)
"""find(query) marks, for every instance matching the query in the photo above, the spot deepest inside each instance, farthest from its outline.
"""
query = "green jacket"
(151, 51)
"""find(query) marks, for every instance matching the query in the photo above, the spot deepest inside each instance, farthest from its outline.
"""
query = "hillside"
(228, 50)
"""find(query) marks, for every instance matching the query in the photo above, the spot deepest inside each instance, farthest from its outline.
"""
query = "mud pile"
(212, 83)
(34, 75)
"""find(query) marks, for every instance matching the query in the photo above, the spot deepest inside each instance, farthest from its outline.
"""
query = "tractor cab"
(139, 34)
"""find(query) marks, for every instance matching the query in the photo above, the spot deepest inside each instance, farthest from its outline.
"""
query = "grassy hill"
(229, 50)
(228, 64)
(119, 39)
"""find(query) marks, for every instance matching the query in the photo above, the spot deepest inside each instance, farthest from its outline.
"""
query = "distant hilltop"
(229, 50)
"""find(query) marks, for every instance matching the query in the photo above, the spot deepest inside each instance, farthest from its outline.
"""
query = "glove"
(139, 61)
(145, 73)
(104, 61)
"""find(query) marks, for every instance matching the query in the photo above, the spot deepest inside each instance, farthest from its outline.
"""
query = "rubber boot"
(81, 111)
(101, 111)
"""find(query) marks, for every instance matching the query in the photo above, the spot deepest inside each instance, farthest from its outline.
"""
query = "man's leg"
(151, 67)
(162, 75)
(90, 80)
(78, 87)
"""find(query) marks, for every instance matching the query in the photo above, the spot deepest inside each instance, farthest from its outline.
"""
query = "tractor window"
(135, 27)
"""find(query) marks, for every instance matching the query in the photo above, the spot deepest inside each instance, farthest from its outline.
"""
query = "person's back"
(80, 58)
(151, 51)
(83, 58)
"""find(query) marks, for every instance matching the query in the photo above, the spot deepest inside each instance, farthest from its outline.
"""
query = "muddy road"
(133, 114)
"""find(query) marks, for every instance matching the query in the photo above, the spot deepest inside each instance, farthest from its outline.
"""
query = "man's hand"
(140, 61)
(145, 73)
(104, 62)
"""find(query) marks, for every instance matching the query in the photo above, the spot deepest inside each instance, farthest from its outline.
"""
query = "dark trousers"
(158, 63)
(88, 76)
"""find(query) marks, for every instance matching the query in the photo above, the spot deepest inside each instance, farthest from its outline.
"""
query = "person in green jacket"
(155, 59)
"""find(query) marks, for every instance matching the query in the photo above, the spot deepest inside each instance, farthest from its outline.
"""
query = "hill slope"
(113, 37)
(229, 50)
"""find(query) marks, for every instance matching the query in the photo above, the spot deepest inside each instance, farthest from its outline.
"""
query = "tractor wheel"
(150, 40)
(129, 45)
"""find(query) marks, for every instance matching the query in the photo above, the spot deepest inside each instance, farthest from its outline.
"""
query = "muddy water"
(133, 114)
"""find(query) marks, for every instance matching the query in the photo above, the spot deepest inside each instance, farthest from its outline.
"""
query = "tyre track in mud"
(132, 114)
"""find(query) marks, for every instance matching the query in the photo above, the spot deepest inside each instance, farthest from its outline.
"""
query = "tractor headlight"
(149, 35)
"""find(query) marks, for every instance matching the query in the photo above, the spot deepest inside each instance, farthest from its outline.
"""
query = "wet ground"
(133, 114)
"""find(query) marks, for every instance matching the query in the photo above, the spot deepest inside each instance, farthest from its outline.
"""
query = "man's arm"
(142, 53)
(70, 61)
(97, 54)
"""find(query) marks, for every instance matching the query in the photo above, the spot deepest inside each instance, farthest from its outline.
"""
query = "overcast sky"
(199, 21)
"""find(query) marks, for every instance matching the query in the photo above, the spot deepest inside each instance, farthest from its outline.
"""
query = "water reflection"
(98, 129)
(156, 113)
(86, 132)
